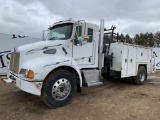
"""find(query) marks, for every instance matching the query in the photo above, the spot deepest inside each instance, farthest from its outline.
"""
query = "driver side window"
(78, 35)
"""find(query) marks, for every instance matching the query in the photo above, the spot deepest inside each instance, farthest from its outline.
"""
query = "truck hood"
(39, 51)
(43, 45)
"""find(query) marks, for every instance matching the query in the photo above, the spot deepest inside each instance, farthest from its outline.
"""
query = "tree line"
(143, 39)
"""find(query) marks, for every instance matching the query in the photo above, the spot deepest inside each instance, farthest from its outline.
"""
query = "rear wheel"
(59, 89)
(141, 76)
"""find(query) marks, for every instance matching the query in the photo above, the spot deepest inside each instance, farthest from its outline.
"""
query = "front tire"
(141, 76)
(59, 88)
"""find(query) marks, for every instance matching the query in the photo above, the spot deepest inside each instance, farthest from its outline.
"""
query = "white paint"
(7, 44)
(33, 58)
(156, 55)
(87, 50)
(25, 85)
(127, 57)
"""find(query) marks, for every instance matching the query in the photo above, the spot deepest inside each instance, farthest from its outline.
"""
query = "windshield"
(62, 31)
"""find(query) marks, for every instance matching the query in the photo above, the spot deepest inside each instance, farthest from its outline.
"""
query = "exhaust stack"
(100, 54)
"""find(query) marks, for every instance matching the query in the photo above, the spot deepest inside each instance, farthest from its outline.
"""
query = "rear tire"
(141, 76)
(59, 88)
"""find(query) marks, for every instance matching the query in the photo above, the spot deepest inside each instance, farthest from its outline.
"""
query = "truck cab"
(69, 47)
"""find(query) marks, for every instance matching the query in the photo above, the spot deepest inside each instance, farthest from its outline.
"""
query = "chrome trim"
(14, 62)
(101, 55)
(94, 84)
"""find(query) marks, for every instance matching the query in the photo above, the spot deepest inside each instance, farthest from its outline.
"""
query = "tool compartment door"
(128, 61)
(132, 57)
(124, 61)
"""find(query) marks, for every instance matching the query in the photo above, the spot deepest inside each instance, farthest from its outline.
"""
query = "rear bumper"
(32, 87)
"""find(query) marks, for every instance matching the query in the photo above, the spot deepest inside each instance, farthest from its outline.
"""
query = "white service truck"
(74, 55)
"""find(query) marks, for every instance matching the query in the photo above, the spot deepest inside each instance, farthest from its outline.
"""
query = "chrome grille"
(14, 62)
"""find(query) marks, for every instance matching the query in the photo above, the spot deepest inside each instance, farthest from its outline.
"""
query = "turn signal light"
(39, 85)
(30, 74)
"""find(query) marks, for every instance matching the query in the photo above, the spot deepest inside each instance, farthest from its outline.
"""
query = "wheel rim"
(142, 77)
(61, 89)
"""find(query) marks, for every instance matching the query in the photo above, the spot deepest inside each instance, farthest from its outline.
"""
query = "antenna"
(71, 9)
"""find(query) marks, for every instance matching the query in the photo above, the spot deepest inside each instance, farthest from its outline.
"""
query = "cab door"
(83, 48)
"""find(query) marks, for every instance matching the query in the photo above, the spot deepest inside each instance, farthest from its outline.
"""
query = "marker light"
(30, 74)
(39, 85)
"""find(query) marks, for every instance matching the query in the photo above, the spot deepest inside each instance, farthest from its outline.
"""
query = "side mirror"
(81, 40)
(45, 34)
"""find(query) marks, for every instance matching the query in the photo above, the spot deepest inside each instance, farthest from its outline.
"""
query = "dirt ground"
(114, 100)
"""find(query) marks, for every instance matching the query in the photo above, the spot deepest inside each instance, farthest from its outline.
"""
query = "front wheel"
(141, 76)
(59, 89)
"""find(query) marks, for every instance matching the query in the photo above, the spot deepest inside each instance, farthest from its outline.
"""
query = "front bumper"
(32, 87)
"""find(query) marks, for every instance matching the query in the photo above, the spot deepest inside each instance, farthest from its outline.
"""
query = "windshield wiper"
(56, 38)
(53, 38)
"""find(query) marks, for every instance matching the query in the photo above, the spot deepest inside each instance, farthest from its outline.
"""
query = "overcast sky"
(30, 17)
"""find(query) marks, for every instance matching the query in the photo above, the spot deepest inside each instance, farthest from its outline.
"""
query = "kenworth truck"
(73, 55)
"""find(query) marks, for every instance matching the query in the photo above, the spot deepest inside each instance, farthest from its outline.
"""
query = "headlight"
(27, 73)
(23, 72)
